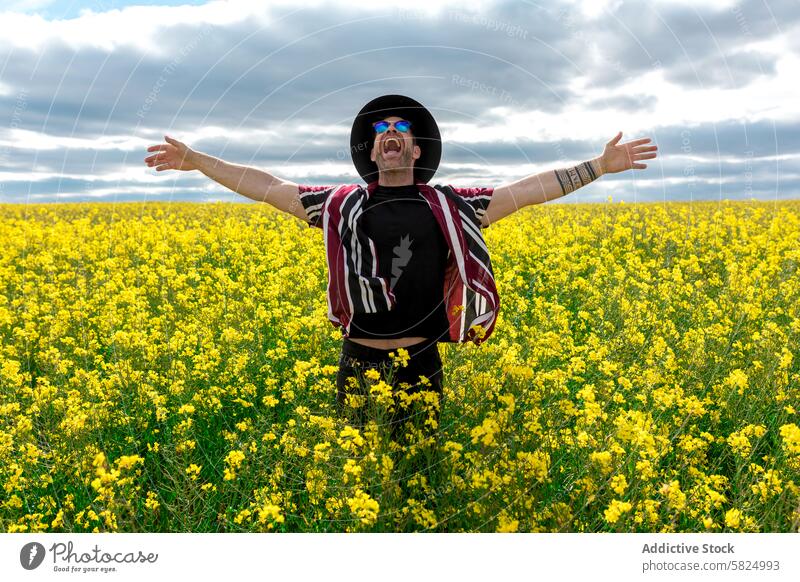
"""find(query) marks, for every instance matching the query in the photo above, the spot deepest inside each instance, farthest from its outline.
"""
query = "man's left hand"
(618, 157)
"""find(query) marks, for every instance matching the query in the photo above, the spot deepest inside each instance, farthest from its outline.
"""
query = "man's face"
(394, 149)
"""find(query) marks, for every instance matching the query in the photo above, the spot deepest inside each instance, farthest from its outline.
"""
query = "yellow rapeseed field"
(170, 367)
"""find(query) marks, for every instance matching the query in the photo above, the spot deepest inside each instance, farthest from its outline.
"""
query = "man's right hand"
(253, 183)
(172, 155)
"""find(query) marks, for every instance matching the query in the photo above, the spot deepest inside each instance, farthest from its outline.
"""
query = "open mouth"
(391, 147)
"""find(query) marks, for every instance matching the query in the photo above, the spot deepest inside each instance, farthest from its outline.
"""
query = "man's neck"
(396, 179)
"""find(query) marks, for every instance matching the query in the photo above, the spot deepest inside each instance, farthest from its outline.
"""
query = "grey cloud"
(460, 65)
(233, 65)
(642, 37)
(726, 71)
(639, 102)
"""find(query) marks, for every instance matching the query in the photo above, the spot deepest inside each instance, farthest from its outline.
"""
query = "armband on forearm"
(573, 178)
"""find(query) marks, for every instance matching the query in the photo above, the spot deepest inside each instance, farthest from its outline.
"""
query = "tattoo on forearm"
(573, 178)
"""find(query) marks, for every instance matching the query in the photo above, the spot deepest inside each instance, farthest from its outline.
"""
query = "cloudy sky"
(517, 88)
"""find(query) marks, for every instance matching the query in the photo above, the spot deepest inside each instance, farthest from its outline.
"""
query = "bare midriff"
(388, 344)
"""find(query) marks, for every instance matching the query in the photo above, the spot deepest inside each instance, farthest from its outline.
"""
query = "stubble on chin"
(401, 164)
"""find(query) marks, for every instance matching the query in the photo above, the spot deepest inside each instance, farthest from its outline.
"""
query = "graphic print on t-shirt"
(402, 254)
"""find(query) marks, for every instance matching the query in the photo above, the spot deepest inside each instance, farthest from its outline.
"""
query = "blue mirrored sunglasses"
(402, 125)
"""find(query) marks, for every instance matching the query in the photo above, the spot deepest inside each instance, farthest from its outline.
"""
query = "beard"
(402, 163)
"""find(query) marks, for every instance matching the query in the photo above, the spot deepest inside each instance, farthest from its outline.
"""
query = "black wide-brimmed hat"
(423, 126)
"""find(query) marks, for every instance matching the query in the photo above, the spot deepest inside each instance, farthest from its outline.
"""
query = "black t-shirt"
(412, 256)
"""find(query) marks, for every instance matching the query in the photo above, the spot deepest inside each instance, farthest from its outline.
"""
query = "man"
(407, 265)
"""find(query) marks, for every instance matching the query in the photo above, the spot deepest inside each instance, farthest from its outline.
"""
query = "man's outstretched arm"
(552, 184)
(251, 182)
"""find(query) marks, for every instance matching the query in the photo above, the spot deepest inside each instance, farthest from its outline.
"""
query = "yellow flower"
(351, 471)
(485, 432)
(322, 452)
(58, 521)
(129, 461)
(477, 331)
(791, 438)
(364, 507)
(733, 518)
(350, 439)
(644, 469)
(535, 465)
(193, 471)
(401, 357)
(372, 374)
(270, 514)
(185, 343)
(737, 379)
(770, 484)
(786, 359)
(382, 392)
(740, 444)
(602, 459)
(233, 460)
(675, 497)
(619, 484)
(615, 510)
(505, 524)
(242, 516)
(187, 445)
(152, 501)
(790, 434)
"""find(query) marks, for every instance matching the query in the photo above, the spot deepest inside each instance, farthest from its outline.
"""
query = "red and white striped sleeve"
(477, 197)
(313, 200)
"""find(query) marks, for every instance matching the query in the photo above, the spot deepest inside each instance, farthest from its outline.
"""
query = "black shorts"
(355, 359)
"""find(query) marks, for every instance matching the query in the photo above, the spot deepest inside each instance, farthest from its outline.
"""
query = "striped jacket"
(354, 286)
